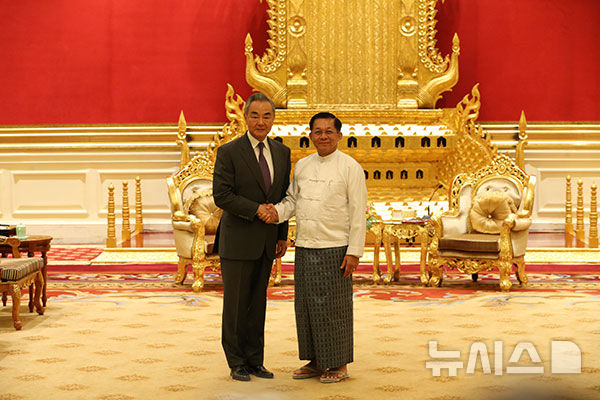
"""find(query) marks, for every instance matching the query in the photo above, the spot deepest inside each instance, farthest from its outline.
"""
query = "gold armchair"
(195, 218)
(486, 227)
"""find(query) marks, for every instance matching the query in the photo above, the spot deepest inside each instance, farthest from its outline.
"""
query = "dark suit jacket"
(239, 188)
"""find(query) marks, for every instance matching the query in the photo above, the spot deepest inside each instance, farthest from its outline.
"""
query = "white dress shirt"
(266, 152)
(328, 195)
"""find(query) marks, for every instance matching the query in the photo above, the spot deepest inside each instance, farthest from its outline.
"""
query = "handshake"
(267, 213)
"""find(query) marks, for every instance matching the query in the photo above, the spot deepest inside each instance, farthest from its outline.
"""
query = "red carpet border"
(549, 280)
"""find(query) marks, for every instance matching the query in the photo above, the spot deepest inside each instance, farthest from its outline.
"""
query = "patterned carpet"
(138, 344)
(125, 332)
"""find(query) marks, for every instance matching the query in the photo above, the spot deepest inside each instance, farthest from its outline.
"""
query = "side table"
(393, 234)
(31, 245)
(374, 235)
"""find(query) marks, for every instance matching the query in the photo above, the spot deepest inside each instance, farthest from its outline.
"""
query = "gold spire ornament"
(520, 151)
(569, 233)
(182, 140)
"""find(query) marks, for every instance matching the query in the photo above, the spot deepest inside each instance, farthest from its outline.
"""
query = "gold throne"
(382, 83)
(487, 225)
(195, 215)
(375, 65)
(195, 218)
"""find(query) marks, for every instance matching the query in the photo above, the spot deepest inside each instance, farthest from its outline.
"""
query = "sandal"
(333, 376)
(306, 372)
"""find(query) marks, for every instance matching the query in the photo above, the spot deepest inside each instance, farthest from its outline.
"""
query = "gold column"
(593, 218)
(126, 230)
(139, 218)
(111, 239)
(580, 242)
(569, 233)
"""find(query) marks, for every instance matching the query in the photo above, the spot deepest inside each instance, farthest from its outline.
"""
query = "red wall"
(542, 56)
(140, 61)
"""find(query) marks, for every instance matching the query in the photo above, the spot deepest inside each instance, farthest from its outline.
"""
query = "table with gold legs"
(374, 236)
(395, 233)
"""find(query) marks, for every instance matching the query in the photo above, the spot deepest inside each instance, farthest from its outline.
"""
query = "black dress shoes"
(260, 371)
(240, 373)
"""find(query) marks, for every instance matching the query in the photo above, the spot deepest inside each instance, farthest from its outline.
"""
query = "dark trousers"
(244, 304)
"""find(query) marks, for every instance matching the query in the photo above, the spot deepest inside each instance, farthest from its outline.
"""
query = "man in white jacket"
(328, 195)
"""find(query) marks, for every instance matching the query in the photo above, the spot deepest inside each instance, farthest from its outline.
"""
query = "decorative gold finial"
(522, 126)
(593, 218)
(569, 233)
(248, 49)
(182, 140)
(580, 242)
(455, 43)
(126, 229)
(111, 239)
(182, 126)
(520, 151)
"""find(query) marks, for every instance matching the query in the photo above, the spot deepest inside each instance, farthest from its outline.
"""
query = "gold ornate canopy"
(374, 63)
(378, 54)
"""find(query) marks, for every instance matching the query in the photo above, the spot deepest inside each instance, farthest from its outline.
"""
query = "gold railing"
(102, 138)
(162, 137)
(546, 135)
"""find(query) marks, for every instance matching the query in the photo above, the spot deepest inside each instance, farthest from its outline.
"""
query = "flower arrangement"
(372, 217)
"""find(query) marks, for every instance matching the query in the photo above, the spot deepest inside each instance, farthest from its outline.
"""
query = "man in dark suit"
(250, 172)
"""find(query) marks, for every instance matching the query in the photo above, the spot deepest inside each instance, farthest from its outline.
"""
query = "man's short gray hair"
(258, 96)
